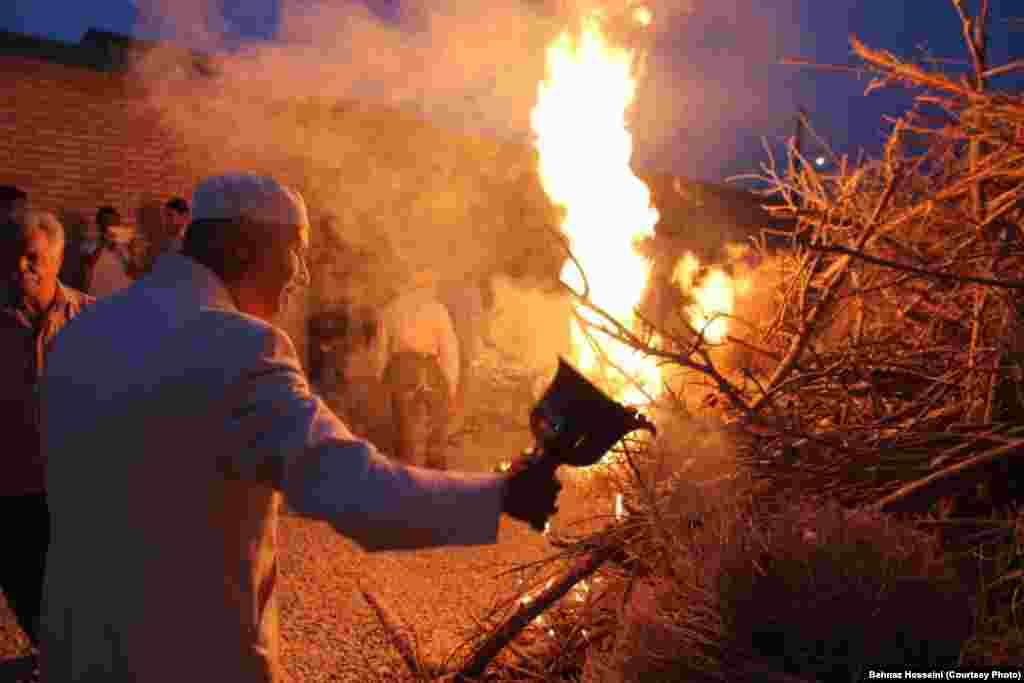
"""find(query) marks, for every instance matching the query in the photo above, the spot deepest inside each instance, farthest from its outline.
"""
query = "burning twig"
(529, 611)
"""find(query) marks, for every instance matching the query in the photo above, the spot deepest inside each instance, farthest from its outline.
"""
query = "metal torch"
(575, 423)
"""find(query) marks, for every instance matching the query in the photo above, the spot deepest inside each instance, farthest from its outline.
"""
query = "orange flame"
(585, 149)
(714, 293)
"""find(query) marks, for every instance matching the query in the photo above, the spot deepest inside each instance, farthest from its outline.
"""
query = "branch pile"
(882, 362)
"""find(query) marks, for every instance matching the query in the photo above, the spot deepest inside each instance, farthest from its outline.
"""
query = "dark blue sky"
(714, 86)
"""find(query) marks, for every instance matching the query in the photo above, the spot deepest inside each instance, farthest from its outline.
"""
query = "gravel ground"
(329, 633)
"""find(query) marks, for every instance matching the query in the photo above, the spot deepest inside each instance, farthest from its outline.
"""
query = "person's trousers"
(419, 409)
(26, 519)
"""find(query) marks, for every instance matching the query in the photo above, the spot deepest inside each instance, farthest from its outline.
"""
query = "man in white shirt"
(175, 417)
(422, 372)
(111, 268)
(466, 300)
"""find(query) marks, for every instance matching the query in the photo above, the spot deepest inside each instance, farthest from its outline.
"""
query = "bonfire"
(870, 367)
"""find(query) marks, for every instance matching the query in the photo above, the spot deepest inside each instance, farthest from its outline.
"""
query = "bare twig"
(525, 614)
(919, 494)
(394, 631)
(924, 272)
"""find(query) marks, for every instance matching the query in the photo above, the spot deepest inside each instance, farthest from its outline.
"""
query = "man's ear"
(243, 255)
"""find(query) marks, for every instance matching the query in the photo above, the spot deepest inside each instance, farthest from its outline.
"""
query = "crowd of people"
(160, 417)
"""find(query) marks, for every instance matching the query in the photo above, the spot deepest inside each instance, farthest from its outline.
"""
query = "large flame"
(585, 149)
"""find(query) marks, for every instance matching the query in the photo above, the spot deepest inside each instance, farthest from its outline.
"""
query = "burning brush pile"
(866, 383)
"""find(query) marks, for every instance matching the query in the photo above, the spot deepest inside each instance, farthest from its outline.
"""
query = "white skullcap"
(244, 195)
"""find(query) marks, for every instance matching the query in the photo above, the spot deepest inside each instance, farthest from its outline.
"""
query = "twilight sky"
(714, 85)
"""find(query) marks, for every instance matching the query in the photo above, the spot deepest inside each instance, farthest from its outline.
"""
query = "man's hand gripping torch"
(574, 423)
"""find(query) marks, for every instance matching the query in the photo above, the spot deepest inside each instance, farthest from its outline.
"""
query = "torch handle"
(545, 462)
(538, 467)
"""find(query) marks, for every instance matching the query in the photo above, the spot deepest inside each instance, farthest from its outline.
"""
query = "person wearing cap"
(422, 371)
(176, 219)
(34, 307)
(163, 563)
(112, 266)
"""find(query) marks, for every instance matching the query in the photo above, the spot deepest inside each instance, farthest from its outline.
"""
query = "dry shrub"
(811, 593)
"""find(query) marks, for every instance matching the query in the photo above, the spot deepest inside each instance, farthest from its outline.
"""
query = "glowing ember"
(714, 297)
(643, 16)
(714, 305)
(585, 149)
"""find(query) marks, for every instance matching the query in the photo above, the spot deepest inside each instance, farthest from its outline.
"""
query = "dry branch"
(525, 614)
(917, 496)
(923, 272)
(395, 633)
(881, 366)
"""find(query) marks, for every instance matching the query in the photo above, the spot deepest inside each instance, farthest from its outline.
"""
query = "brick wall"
(76, 139)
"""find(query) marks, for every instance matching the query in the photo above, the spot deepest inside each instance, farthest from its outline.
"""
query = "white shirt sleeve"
(325, 473)
(448, 349)
(380, 349)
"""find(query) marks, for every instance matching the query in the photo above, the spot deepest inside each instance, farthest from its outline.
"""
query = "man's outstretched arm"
(277, 425)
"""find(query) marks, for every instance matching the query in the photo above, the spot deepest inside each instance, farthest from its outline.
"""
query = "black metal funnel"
(577, 422)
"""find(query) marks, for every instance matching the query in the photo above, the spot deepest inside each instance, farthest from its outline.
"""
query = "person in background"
(176, 219)
(361, 360)
(12, 200)
(467, 302)
(421, 374)
(34, 306)
(112, 267)
(79, 256)
(346, 363)
(199, 420)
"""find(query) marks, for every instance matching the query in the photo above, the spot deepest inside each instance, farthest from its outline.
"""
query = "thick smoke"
(409, 134)
(458, 63)
(398, 129)
(715, 85)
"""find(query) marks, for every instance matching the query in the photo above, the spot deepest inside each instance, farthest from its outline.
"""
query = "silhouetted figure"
(177, 216)
(12, 200)
(422, 371)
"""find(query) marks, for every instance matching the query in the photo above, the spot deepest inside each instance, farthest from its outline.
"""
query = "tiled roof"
(99, 50)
